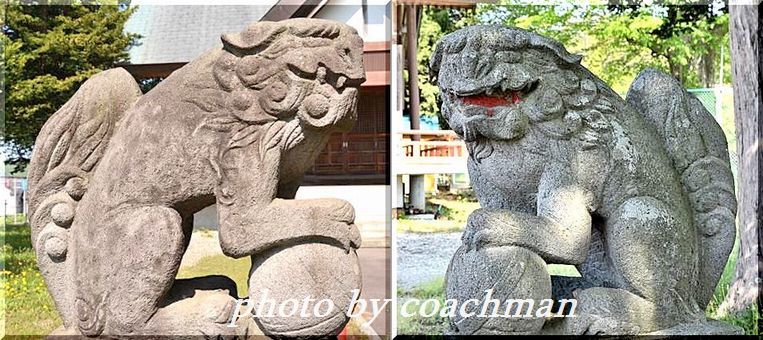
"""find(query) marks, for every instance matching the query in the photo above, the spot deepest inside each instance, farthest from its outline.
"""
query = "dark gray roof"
(173, 34)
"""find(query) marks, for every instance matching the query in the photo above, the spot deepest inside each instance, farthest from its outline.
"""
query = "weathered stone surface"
(638, 194)
(116, 177)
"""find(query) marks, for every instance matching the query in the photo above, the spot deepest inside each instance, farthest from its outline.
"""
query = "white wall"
(370, 202)
(372, 27)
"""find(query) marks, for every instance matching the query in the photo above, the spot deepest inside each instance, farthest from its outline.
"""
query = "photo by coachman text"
(487, 307)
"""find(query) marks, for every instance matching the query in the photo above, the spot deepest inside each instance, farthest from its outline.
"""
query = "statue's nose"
(353, 80)
(354, 76)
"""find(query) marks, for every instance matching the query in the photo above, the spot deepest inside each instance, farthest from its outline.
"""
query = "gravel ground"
(424, 257)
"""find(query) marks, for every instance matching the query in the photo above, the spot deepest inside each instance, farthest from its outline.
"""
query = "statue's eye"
(346, 56)
(455, 46)
(508, 57)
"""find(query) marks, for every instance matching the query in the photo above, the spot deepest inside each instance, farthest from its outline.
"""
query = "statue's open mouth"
(501, 94)
(481, 109)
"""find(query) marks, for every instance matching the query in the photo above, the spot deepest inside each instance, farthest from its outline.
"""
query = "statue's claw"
(341, 216)
(478, 232)
(483, 238)
(348, 236)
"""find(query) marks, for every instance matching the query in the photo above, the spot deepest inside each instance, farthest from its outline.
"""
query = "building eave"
(375, 61)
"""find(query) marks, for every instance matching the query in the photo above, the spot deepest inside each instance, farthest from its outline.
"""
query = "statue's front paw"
(480, 230)
(346, 234)
(333, 209)
(341, 210)
(351, 239)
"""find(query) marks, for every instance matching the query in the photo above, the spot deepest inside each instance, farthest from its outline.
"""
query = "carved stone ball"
(62, 214)
(75, 187)
(317, 105)
(513, 273)
(298, 272)
(55, 247)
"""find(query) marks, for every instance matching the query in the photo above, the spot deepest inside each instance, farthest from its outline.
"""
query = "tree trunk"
(746, 34)
(707, 68)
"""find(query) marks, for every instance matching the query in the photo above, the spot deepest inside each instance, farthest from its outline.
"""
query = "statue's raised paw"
(333, 218)
(346, 234)
(482, 229)
(339, 210)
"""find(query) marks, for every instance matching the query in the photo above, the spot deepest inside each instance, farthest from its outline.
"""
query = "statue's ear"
(253, 38)
(436, 60)
(574, 58)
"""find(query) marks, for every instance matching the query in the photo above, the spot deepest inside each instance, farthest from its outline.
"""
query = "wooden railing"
(440, 143)
(433, 149)
(433, 152)
(353, 153)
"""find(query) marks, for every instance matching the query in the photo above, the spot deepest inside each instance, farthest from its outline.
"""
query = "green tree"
(48, 52)
(618, 41)
(685, 41)
(435, 23)
(559, 20)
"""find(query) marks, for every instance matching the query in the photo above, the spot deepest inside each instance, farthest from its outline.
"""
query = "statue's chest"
(515, 169)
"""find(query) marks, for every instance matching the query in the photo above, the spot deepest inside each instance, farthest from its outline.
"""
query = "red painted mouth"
(491, 101)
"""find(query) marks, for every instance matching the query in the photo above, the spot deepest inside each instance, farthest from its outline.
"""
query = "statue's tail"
(697, 146)
(66, 152)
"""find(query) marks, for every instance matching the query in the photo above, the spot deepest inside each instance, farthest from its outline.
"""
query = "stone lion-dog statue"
(116, 176)
(637, 193)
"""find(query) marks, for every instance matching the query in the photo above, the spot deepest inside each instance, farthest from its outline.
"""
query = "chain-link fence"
(709, 99)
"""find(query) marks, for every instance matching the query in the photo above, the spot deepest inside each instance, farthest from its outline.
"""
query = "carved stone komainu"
(637, 193)
(116, 177)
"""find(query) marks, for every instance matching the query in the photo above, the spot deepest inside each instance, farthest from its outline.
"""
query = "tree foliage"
(48, 52)
(618, 41)
(685, 41)
(435, 23)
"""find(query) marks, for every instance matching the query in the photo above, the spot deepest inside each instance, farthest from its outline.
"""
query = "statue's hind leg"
(650, 278)
(130, 264)
(130, 267)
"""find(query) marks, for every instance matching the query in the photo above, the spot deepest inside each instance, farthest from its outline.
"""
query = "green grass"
(747, 319)
(457, 210)
(17, 219)
(418, 324)
(204, 231)
(26, 306)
